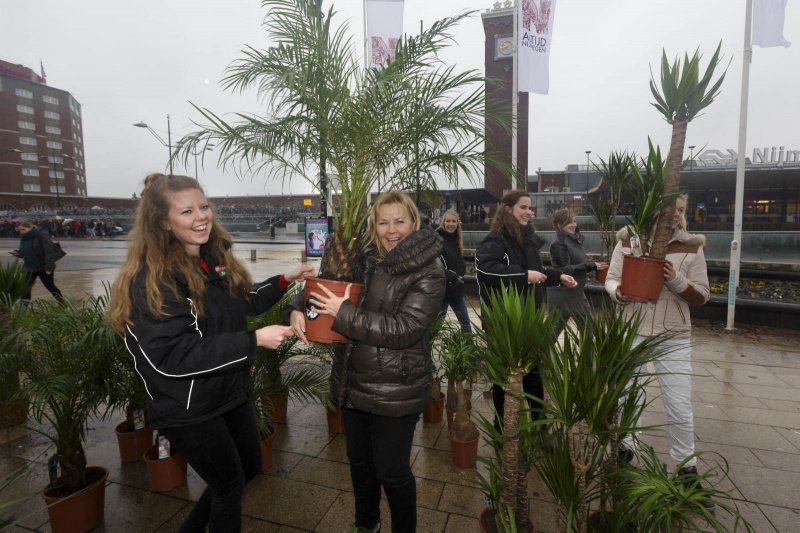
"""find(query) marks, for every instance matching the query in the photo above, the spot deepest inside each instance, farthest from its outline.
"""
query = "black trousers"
(48, 280)
(226, 452)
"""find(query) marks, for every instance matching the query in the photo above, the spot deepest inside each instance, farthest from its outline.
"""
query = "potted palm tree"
(414, 121)
(459, 364)
(13, 285)
(65, 373)
(605, 204)
(516, 334)
(434, 412)
(680, 96)
(642, 274)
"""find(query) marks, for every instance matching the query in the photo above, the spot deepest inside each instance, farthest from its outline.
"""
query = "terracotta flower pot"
(13, 414)
(165, 474)
(81, 511)
(434, 413)
(601, 275)
(277, 407)
(318, 327)
(452, 414)
(334, 417)
(464, 452)
(642, 278)
(133, 444)
(486, 521)
(267, 444)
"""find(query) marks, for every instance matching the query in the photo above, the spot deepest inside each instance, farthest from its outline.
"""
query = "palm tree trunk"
(463, 428)
(508, 474)
(72, 460)
(340, 262)
(522, 498)
(672, 184)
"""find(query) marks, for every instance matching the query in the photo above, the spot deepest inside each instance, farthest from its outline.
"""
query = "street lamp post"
(691, 157)
(168, 144)
(11, 151)
(587, 167)
(208, 148)
(55, 176)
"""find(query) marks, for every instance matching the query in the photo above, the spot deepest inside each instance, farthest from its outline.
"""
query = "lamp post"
(53, 159)
(691, 157)
(168, 144)
(11, 151)
(208, 148)
(587, 168)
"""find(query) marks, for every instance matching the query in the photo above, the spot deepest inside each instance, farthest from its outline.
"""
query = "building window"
(59, 188)
(27, 156)
(53, 129)
(58, 174)
(23, 93)
(59, 160)
(27, 140)
(52, 114)
(54, 144)
(30, 171)
(50, 99)
(25, 125)
(31, 187)
(24, 109)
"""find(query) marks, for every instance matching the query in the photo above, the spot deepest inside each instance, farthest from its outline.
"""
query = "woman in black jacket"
(509, 255)
(567, 255)
(455, 268)
(387, 371)
(36, 252)
(182, 299)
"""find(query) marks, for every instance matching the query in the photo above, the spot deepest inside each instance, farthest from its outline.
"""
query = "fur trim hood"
(678, 235)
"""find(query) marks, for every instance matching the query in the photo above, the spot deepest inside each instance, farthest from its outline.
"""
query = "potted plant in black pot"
(403, 126)
(64, 376)
(515, 336)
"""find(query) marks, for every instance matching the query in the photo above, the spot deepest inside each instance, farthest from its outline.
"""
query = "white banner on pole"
(384, 30)
(534, 34)
(768, 18)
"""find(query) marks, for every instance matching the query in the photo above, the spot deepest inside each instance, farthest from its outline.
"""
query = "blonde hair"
(154, 248)
(389, 198)
(459, 239)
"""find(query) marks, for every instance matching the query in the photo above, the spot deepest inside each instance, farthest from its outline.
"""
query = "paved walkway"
(746, 401)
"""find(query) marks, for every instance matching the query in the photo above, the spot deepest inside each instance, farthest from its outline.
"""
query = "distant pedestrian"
(455, 268)
(36, 252)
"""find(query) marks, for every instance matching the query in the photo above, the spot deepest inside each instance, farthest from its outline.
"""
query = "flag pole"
(515, 98)
(736, 252)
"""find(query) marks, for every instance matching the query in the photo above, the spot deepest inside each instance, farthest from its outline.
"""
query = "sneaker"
(624, 454)
(374, 529)
(690, 479)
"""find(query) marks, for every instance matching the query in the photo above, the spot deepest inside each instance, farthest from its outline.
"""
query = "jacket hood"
(415, 251)
(678, 235)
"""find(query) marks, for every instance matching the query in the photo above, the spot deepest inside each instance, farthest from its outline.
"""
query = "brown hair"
(26, 224)
(155, 248)
(388, 198)
(459, 239)
(562, 217)
(504, 221)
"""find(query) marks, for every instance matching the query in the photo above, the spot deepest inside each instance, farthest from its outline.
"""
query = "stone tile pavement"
(747, 409)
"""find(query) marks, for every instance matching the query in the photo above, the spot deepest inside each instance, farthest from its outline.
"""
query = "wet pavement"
(746, 402)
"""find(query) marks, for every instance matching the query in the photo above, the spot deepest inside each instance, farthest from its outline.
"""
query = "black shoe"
(374, 529)
(690, 479)
(624, 454)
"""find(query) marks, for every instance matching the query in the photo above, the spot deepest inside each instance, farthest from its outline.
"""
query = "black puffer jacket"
(388, 366)
(455, 266)
(500, 260)
(195, 369)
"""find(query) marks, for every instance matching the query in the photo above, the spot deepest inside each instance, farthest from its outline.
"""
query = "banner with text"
(535, 32)
(384, 30)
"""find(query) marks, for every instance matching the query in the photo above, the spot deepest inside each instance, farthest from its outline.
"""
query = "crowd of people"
(77, 228)
(182, 299)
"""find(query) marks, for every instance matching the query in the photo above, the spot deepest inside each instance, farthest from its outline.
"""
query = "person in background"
(685, 284)
(182, 299)
(510, 255)
(568, 256)
(386, 380)
(455, 268)
(36, 252)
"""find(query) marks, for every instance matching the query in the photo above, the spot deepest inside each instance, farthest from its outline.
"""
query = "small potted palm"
(459, 364)
(13, 285)
(65, 373)
(516, 334)
(434, 412)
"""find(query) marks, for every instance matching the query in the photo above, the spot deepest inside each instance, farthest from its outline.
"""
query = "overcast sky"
(131, 61)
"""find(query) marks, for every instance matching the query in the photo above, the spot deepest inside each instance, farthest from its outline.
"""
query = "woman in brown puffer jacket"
(386, 380)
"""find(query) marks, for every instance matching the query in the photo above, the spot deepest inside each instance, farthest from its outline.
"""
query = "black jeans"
(48, 280)
(379, 449)
(226, 452)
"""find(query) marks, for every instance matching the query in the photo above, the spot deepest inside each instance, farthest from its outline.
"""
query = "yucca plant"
(647, 187)
(460, 364)
(658, 501)
(404, 126)
(595, 396)
(516, 335)
(605, 204)
(66, 372)
(680, 95)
